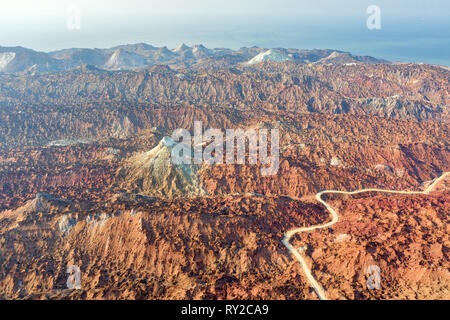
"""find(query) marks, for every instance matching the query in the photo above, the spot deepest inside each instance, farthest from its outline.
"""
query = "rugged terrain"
(86, 176)
(19, 60)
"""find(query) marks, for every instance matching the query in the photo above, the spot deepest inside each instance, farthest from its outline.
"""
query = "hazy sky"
(40, 10)
(42, 24)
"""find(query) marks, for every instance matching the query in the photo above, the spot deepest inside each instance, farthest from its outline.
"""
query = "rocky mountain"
(346, 58)
(153, 173)
(87, 177)
(5, 59)
(76, 57)
(141, 55)
(20, 60)
(124, 59)
(88, 103)
(270, 55)
(131, 247)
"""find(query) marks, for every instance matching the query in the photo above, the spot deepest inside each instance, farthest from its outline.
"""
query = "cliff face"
(86, 179)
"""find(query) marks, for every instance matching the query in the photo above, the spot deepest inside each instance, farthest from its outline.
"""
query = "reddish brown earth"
(228, 248)
(407, 237)
(341, 128)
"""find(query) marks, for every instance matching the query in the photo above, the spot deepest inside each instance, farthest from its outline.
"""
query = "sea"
(420, 39)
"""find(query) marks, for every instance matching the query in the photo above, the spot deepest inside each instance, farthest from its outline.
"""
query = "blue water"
(411, 39)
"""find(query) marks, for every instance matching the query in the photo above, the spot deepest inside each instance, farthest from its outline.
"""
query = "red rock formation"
(78, 135)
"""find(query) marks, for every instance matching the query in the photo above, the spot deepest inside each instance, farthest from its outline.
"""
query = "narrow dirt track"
(335, 218)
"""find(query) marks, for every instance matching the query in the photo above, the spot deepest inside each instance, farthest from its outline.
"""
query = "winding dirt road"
(335, 218)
